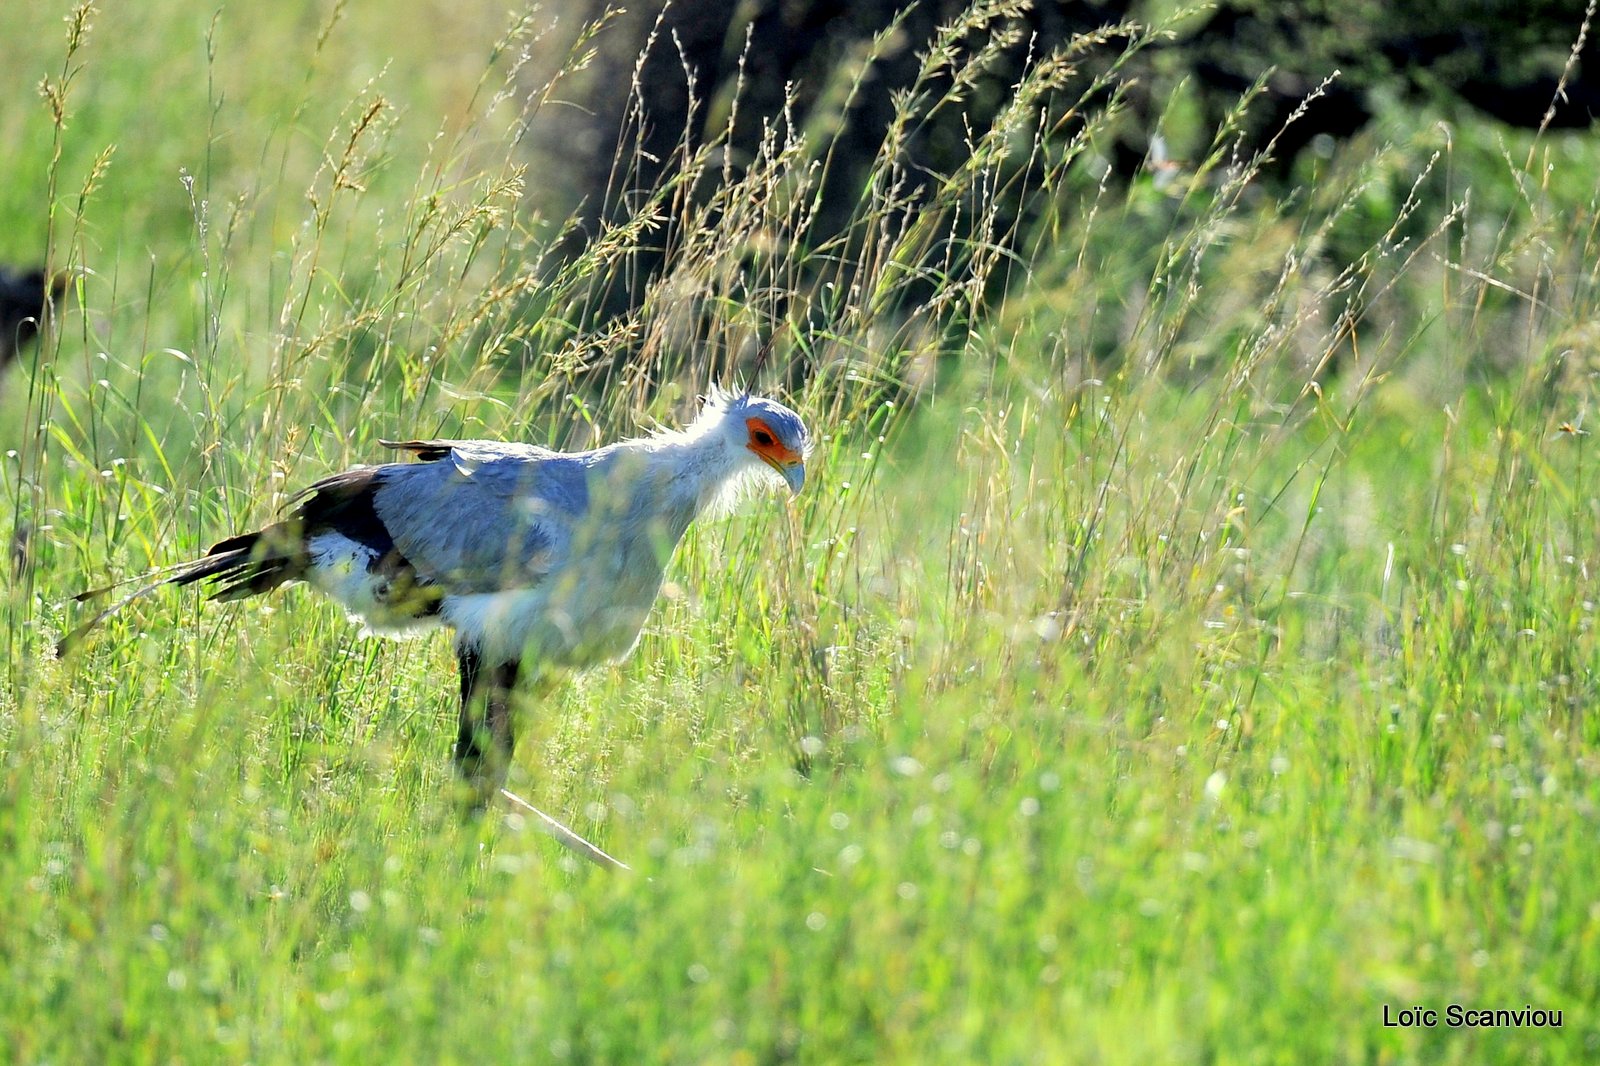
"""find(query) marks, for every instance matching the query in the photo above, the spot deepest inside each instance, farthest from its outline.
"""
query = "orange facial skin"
(765, 444)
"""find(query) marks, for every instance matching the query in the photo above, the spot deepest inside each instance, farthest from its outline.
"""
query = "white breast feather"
(498, 624)
(342, 569)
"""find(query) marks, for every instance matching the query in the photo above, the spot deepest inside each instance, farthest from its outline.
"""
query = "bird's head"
(761, 433)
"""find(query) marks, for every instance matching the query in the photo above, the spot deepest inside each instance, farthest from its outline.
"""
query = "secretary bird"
(23, 295)
(540, 560)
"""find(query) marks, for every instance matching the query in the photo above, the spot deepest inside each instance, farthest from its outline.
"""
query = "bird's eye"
(762, 437)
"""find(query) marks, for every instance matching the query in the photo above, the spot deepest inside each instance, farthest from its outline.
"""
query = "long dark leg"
(486, 735)
(484, 743)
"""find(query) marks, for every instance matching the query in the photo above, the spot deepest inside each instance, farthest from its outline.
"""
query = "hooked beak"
(794, 474)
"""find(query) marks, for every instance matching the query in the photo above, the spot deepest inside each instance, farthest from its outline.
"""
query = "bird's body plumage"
(560, 561)
(532, 556)
(526, 552)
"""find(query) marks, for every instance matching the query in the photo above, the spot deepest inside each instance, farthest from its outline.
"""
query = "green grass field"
(1190, 654)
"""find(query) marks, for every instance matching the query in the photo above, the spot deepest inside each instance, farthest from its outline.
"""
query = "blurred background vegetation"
(1314, 75)
(632, 118)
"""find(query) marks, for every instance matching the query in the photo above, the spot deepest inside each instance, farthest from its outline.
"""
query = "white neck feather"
(710, 469)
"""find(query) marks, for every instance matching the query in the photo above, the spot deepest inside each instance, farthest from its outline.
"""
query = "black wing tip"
(428, 451)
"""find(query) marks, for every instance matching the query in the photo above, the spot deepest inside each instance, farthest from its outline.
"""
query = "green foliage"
(1183, 650)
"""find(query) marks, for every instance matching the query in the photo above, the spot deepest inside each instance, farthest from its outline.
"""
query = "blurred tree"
(1504, 58)
(696, 64)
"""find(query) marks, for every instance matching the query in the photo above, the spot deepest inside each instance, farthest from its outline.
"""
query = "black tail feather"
(253, 563)
(249, 564)
(239, 567)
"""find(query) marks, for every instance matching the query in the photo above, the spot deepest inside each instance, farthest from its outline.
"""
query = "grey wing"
(483, 516)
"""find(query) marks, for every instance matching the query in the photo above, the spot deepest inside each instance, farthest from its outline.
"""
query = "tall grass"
(1184, 647)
